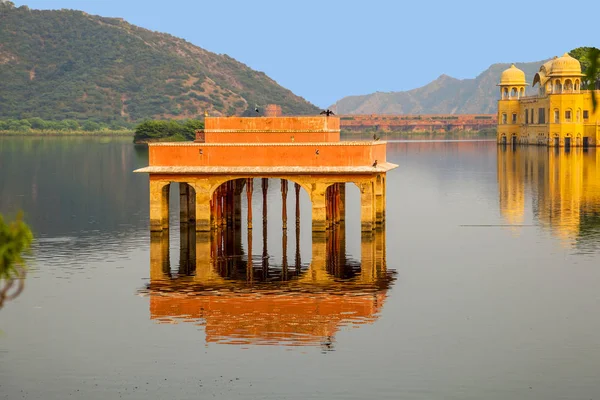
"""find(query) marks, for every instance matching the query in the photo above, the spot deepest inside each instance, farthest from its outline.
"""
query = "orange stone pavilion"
(231, 151)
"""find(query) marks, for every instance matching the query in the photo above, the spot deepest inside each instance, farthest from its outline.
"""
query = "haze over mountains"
(67, 64)
(445, 95)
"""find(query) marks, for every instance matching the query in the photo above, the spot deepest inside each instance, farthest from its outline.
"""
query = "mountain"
(445, 95)
(67, 64)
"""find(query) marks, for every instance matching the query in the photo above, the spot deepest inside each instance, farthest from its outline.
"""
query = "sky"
(325, 50)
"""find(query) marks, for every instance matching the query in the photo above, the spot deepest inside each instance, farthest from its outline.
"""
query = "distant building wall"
(273, 110)
(418, 123)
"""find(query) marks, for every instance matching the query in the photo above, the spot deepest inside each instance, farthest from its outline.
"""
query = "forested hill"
(445, 95)
(67, 64)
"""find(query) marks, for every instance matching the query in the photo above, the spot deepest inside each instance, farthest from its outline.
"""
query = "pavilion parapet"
(271, 129)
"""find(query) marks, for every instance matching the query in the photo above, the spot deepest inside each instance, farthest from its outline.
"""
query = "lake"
(484, 285)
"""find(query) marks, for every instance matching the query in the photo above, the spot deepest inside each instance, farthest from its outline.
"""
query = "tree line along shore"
(185, 130)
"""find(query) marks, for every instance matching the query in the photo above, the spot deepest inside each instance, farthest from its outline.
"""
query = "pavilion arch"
(521, 92)
(568, 86)
(577, 85)
(558, 87)
(514, 92)
(505, 93)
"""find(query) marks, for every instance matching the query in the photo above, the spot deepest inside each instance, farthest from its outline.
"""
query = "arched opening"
(504, 118)
(578, 115)
(568, 142)
(514, 93)
(549, 87)
(521, 92)
(557, 86)
(556, 116)
(568, 115)
(505, 93)
(568, 87)
(577, 86)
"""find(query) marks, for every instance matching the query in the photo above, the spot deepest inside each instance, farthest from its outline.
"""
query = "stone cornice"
(271, 131)
(281, 144)
(261, 171)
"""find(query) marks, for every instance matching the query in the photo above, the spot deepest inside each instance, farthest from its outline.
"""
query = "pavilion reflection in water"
(564, 187)
(285, 303)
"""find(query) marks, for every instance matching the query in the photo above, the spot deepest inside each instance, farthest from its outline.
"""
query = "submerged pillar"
(159, 205)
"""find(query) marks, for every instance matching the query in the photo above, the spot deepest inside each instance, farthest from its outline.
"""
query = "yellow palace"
(560, 115)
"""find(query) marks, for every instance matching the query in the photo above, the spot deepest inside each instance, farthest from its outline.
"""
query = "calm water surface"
(485, 285)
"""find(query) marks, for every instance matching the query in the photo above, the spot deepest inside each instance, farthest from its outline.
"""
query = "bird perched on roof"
(256, 109)
(375, 164)
(375, 137)
(327, 112)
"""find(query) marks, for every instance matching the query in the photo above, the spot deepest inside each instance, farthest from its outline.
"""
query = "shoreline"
(124, 133)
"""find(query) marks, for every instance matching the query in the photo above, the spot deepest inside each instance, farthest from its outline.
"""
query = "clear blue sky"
(325, 50)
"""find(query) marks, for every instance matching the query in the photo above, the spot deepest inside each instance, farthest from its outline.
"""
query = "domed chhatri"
(512, 76)
(565, 66)
(560, 114)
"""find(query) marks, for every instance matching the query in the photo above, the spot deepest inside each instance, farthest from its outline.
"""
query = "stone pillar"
(213, 211)
(249, 189)
(229, 203)
(367, 206)
(379, 201)
(265, 254)
(297, 188)
(319, 207)
(203, 209)
(284, 190)
(184, 210)
(159, 205)
(342, 202)
(191, 206)
(265, 187)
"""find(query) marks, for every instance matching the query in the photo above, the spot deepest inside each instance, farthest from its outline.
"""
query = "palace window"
(531, 120)
(586, 115)
(541, 116)
(578, 115)
(514, 118)
(556, 116)
(504, 118)
(526, 116)
(568, 116)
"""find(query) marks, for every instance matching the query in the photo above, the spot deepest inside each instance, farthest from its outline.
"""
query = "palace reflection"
(265, 302)
(564, 187)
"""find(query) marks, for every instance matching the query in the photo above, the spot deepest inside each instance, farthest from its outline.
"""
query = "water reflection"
(564, 187)
(238, 301)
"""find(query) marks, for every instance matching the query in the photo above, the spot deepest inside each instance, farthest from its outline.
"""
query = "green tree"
(91, 126)
(589, 57)
(15, 240)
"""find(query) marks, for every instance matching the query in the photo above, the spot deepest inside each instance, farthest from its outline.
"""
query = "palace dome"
(513, 76)
(565, 66)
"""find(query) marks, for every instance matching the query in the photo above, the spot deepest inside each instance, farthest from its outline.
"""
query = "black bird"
(256, 109)
(328, 112)
(375, 137)
(375, 164)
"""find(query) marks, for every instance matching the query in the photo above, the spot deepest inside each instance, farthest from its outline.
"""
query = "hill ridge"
(68, 64)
